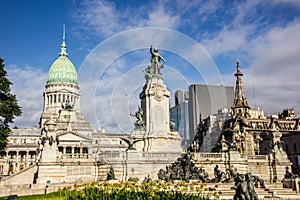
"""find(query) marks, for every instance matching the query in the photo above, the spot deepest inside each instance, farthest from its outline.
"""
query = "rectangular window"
(295, 146)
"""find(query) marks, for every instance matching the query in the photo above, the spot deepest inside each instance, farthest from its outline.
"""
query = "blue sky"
(263, 35)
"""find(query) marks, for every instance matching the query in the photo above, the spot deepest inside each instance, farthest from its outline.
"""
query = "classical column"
(72, 152)
(26, 159)
(17, 161)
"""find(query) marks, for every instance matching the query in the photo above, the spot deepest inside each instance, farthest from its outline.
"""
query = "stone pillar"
(17, 162)
(6, 166)
(72, 154)
(26, 159)
(155, 105)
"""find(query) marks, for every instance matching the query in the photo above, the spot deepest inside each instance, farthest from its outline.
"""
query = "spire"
(63, 47)
(64, 32)
(240, 100)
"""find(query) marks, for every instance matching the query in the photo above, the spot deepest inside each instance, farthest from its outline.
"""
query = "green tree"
(9, 107)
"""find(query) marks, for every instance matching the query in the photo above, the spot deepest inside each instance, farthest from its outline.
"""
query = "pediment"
(70, 136)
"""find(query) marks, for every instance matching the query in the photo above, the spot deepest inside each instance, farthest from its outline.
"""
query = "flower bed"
(139, 191)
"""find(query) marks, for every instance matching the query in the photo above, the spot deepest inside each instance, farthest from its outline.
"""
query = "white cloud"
(103, 18)
(28, 86)
(275, 69)
(226, 41)
(159, 18)
(294, 3)
(98, 16)
(272, 79)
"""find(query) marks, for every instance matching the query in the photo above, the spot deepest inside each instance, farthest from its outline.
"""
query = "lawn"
(50, 196)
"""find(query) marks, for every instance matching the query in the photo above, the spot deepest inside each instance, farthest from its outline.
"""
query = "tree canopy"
(9, 107)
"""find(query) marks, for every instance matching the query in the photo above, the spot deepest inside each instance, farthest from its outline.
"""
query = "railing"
(119, 155)
(144, 156)
(112, 154)
(258, 157)
(161, 156)
(208, 155)
(33, 145)
(76, 156)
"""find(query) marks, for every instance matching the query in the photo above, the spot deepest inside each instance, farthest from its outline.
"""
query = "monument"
(153, 143)
(153, 125)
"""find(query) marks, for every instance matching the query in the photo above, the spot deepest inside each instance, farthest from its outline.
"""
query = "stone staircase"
(272, 190)
(277, 190)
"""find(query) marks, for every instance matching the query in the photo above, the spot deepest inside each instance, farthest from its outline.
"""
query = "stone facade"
(254, 137)
(21, 150)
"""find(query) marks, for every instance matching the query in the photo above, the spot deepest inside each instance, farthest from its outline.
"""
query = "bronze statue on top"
(157, 62)
(156, 58)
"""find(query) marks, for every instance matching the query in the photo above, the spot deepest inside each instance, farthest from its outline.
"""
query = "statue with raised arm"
(157, 62)
(156, 58)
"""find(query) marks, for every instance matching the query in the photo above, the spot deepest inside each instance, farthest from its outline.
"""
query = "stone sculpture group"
(185, 169)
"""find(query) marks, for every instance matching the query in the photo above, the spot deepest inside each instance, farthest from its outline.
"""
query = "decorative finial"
(63, 46)
(238, 69)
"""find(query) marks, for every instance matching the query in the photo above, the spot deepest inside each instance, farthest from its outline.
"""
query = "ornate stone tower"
(153, 124)
(240, 103)
(241, 116)
(235, 130)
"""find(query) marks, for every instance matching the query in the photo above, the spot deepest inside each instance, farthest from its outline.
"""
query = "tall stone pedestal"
(156, 135)
(170, 142)
(153, 124)
(155, 105)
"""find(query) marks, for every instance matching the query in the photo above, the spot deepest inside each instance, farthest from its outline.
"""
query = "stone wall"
(139, 164)
(25, 176)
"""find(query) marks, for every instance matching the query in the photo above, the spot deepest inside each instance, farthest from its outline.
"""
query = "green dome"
(62, 70)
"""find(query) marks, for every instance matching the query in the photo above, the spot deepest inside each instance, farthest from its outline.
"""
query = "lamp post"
(80, 149)
(241, 137)
(98, 141)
